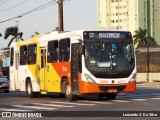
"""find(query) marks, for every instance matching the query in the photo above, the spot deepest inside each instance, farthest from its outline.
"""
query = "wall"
(142, 77)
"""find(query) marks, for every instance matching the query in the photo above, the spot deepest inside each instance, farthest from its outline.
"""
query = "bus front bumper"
(88, 88)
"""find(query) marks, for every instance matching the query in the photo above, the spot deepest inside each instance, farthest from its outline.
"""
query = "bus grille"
(105, 88)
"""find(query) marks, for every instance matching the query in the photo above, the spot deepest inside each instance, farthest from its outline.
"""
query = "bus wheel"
(68, 94)
(111, 96)
(101, 95)
(29, 90)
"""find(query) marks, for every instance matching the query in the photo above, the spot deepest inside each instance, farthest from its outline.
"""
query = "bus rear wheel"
(68, 93)
(29, 90)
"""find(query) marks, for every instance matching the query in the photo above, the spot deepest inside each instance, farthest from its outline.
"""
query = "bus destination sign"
(107, 35)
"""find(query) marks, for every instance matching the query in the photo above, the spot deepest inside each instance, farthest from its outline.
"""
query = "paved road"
(144, 99)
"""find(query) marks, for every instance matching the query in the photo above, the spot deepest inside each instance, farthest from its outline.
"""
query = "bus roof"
(61, 35)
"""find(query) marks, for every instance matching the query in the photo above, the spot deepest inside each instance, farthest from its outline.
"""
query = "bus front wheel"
(29, 90)
(111, 96)
(68, 93)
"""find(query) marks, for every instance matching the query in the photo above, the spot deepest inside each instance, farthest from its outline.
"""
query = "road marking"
(96, 102)
(119, 101)
(8, 109)
(71, 103)
(52, 105)
(139, 99)
(154, 98)
(33, 107)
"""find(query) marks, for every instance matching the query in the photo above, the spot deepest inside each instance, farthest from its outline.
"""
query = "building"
(4, 57)
(130, 15)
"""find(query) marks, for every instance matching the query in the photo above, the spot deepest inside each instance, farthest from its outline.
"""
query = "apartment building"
(130, 15)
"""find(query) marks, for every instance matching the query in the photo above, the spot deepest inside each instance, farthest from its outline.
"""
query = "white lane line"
(8, 109)
(33, 107)
(96, 102)
(154, 98)
(69, 103)
(139, 99)
(119, 101)
(51, 105)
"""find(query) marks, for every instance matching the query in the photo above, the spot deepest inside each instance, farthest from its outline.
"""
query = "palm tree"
(13, 31)
(0, 35)
(36, 33)
(142, 40)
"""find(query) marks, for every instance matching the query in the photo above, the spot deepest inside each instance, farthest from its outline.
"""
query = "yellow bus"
(74, 63)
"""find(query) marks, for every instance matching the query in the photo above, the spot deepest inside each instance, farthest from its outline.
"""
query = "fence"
(148, 59)
(148, 64)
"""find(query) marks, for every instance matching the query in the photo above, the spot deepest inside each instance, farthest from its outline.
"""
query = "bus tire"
(111, 96)
(29, 90)
(68, 93)
(101, 95)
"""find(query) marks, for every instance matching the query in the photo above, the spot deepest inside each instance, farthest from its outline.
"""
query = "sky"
(78, 14)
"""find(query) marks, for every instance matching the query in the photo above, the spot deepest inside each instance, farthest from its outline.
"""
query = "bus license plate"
(112, 90)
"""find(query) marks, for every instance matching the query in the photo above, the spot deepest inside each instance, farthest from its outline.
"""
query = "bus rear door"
(43, 69)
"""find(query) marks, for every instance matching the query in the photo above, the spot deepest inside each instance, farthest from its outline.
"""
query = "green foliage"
(142, 40)
(13, 31)
(36, 33)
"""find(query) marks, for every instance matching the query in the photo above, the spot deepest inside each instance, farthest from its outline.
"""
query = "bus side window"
(32, 53)
(64, 50)
(12, 56)
(52, 55)
(23, 55)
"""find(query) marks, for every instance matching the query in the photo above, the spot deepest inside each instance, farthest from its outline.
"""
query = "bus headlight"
(133, 78)
(89, 79)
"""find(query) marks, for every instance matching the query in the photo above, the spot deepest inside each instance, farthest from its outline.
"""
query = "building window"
(113, 14)
(112, 21)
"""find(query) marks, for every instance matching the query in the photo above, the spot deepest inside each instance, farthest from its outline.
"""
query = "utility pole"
(60, 15)
(149, 34)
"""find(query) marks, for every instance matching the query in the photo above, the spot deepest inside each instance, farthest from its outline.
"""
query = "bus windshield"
(104, 56)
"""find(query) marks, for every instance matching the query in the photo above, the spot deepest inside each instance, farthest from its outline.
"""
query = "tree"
(142, 40)
(36, 33)
(0, 35)
(13, 31)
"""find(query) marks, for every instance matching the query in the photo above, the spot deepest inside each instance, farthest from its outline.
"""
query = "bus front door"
(17, 87)
(42, 69)
(75, 67)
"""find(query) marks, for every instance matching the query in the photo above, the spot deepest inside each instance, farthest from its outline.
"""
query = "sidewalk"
(149, 84)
